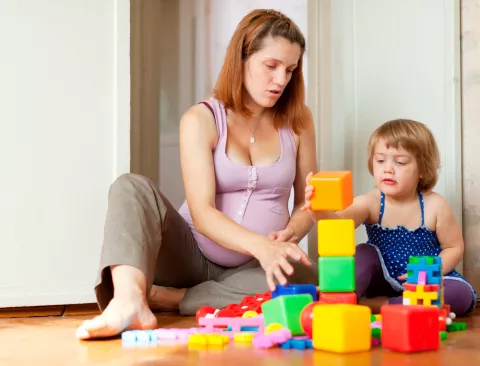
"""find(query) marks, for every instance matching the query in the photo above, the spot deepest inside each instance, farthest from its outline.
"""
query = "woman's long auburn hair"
(248, 39)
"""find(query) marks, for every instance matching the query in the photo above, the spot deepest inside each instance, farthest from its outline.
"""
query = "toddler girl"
(403, 217)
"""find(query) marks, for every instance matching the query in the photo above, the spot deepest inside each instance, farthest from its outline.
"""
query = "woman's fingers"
(270, 282)
(282, 280)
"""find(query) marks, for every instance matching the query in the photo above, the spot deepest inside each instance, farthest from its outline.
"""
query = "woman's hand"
(273, 257)
(286, 235)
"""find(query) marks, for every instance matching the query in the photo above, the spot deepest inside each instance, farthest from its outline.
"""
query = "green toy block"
(286, 310)
(443, 336)
(416, 259)
(376, 333)
(456, 326)
(336, 274)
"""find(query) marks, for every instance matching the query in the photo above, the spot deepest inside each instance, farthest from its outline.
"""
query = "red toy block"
(442, 320)
(339, 297)
(410, 328)
(203, 311)
(426, 288)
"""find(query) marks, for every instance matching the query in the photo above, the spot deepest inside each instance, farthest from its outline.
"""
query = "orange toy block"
(333, 190)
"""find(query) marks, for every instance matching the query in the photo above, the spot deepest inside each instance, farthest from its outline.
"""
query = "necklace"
(252, 138)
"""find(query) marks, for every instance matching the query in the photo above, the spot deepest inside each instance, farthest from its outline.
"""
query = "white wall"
(65, 137)
(392, 59)
(224, 16)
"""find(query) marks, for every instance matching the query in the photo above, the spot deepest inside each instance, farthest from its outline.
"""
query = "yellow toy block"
(419, 297)
(341, 328)
(243, 337)
(208, 339)
(333, 190)
(336, 238)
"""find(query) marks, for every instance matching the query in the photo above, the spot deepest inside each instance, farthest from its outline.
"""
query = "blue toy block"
(433, 270)
(139, 336)
(295, 290)
(297, 344)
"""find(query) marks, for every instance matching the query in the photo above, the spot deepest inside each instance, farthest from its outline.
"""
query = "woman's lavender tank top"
(256, 197)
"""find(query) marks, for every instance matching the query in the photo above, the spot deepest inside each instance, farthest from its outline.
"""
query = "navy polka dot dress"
(396, 245)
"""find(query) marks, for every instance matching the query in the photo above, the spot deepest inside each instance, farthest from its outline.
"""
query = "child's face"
(395, 171)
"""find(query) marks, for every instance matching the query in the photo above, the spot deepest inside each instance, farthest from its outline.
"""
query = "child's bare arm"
(358, 211)
(450, 237)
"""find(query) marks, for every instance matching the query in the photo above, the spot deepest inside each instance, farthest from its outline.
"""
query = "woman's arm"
(450, 237)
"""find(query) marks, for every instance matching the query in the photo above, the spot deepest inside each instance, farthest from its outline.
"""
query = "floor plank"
(51, 341)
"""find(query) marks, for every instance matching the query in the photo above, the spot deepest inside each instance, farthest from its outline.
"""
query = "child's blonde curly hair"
(414, 137)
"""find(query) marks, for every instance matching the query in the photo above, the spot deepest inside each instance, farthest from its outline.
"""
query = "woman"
(241, 153)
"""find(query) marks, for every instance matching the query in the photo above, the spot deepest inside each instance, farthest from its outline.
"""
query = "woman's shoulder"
(199, 119)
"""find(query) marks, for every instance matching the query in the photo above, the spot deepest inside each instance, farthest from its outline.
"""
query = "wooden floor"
(50, 340)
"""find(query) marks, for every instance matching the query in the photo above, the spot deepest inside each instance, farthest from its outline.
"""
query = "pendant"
(252, 139)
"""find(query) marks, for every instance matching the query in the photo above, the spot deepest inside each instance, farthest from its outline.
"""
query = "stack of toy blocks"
(343, 326)
(336, 238)
(415, 325)
(424, 284)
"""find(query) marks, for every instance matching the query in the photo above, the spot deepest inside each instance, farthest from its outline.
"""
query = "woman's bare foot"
(165, 298)
(121, 314)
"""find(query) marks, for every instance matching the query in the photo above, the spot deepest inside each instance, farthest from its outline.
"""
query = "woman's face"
(267, 72)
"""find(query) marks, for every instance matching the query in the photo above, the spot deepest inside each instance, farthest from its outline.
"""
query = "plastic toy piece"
(297, 344)
(427, 288)
(342, 328)
(249, 314)
(203, 311)
(339, 297)
(139, 336)
(272, 327)
(456, 326)
(271, 339)
(235, 324)
(411, 328)
(243, 337)
(306, 318)
(336, 238)
(333, 190)
(376, 333)
(422, 278)
(295, 290)
(286, 310)
(431, 265)
(175, 333)
(336, 274)
(443, 336)
(419, 297)
(208, 339)
(376, 342)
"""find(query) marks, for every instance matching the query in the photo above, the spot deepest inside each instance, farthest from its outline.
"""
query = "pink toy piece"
(235, 323)
(422, 278)
(376, 325)
(174, 333)
(301, 338)
(272, 339)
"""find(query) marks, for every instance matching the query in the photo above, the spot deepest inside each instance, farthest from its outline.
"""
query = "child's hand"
(308, 193)
(402, 277)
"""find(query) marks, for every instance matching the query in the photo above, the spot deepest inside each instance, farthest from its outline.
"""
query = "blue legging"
(370, 283)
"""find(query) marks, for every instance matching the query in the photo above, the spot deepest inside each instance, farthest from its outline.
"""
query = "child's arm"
(450, 237)
(358, 211)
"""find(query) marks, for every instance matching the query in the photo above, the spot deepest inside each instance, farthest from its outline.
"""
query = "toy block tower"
(424, 284)
(336, 237)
